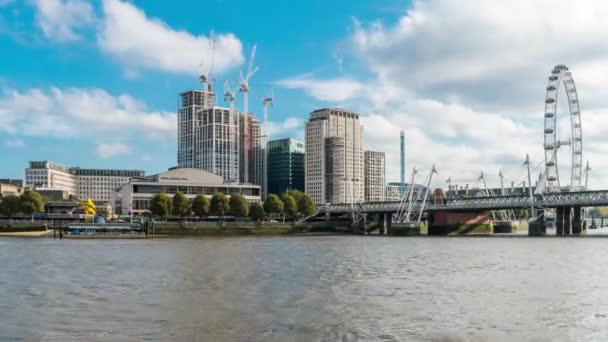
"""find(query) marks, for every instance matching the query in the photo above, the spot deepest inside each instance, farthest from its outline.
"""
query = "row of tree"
(292, 204)
(30, 202)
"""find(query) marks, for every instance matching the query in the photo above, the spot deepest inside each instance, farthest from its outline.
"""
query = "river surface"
(324, 288)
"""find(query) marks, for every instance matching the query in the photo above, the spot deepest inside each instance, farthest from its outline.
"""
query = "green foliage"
(296, 194)
(599, 212)
(180, 205)
(256, 211)
(238, 206)
(201, 205)
(103, 212)
(160, 205)
(219, 204)
(306, 206)
(31, 202)
(273, 204)
(289, 206)
(10, 205)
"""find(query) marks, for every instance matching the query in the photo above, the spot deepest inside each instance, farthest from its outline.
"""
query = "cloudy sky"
(95, 83)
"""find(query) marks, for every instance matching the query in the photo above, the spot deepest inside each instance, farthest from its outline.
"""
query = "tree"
(219, 204)
(273, 205)
(200, 205)
(256, 212)
(289, 206)
(31, 202)
(306, 206)
(238, 205)
(296, 194)
(160, 205)
(10, 205)
(180, 205)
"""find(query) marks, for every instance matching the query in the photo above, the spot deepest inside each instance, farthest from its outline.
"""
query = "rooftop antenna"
(244, 88)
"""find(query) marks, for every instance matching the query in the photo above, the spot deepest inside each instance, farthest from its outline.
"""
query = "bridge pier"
(577, 223)
(382, 224)
(567, 221)
(559, 221)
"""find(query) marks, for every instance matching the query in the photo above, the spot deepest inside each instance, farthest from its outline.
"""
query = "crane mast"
(244, 88)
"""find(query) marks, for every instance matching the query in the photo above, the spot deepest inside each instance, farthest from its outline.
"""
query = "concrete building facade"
(374, 176)
(207, 136)
(285, 165)
(135, 196)
(96, 184)
(322, 182)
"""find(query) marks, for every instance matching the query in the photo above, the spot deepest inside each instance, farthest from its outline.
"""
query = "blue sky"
(95, 83)
(293, 37)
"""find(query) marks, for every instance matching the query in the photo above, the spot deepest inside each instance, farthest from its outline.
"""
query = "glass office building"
(285, 165)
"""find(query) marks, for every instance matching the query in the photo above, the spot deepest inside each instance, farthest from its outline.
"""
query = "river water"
(324, 288)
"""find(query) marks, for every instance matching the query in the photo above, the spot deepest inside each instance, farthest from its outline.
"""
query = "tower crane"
(206, 78)
(244, 88)
(230, 97)
(266, 102)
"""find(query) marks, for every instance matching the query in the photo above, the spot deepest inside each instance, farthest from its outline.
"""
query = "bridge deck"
(553, 200)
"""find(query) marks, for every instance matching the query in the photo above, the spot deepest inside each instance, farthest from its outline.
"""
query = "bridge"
(488, 203)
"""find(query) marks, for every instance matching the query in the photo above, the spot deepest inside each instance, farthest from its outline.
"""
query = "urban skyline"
(462, 131)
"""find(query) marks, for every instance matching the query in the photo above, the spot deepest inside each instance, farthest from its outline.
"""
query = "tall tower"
(402, 155)
(334, 167)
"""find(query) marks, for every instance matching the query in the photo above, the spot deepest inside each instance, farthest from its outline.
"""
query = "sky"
(95, 83)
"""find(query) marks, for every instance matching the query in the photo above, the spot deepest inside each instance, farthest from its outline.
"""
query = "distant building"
(96, 184)
(374, 170)
(251, 146)
(134, 197)
(285, 165)
(7, 189)
(9, 181)
(334, 167)
(393, 191)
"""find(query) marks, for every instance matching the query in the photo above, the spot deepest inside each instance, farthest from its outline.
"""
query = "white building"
(96, 184)
(340, 181)
(135, 196)
(393, 193)
(374, 176)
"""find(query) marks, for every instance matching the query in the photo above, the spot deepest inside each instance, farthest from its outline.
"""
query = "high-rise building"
(96, 184)
(252, 172)
(285, 165)
(374, 176)
(334, 183)
(207, 136)
(190, 103)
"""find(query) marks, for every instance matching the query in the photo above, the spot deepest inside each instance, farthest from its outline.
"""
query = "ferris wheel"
(562, 75)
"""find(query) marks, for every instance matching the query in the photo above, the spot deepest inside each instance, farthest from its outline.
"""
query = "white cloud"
(14, 143)
(467, 81)
(328, 90)
(84, 113)
(109, 150)
(60, 20)
(284, 128)
(137, 41)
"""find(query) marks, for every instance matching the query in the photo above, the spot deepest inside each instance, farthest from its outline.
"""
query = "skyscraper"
(252, 172)
(207, 136)
(285, 165)
(334, 167)
(374, 176)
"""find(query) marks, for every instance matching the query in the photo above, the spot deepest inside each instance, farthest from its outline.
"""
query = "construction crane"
(206, 78)
(266, 102)
(244, 88)
(230, 97)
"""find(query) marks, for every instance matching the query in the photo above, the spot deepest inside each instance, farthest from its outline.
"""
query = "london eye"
(553, 142)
